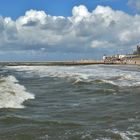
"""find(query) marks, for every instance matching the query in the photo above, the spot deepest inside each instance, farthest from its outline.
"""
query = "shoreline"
(67, 63)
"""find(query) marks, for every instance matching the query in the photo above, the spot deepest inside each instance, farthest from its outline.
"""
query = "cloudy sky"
(67, 29)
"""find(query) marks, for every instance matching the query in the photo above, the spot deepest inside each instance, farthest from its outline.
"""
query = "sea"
(96, 102)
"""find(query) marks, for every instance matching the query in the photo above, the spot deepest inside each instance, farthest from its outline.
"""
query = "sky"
(39, 30)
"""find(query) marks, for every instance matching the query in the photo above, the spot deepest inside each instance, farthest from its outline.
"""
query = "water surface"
(70, 103)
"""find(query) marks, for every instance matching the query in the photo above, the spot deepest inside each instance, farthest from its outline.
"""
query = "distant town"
(133, 58)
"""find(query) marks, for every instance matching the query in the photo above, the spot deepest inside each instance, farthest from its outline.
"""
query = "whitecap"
(12, 94)
(114, 76)
(109, 82)
(127, 135)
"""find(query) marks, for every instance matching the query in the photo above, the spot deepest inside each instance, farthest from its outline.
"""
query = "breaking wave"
(85, 74)
(128, 135)
(114, 135)
(12, 94)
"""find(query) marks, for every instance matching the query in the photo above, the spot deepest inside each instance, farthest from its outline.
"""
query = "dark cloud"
(30, 23)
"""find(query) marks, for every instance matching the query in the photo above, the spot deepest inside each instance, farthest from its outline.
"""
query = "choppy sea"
(96, 102)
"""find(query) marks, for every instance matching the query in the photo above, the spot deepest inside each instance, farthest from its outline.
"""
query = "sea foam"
(12, 94)
(128, 135)
(110, 75)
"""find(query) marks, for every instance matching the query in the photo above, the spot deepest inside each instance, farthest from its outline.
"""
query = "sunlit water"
(70, 103)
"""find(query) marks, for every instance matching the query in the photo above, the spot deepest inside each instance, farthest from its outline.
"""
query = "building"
(137, 52)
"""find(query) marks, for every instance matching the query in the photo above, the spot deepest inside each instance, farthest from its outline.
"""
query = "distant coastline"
(133, 61)
(118, 59)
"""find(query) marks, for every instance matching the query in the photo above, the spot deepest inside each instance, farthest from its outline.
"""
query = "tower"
(138, 49)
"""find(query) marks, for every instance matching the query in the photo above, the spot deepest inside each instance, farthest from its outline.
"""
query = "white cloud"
(32, 17)
(102, 30)
(79, 13)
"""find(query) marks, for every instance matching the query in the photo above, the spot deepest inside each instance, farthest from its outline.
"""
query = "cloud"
(134, 4)
(103, 30)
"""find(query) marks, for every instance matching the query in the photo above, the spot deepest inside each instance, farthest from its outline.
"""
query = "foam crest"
(109, 82)
(128, 135)
(12, 94)
(110, 75)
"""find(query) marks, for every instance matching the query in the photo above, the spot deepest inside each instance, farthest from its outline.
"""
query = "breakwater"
(54, 63)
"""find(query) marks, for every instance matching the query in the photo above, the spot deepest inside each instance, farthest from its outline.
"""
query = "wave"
(115, 134)
(127, 135)
(12, 94)
(17, 119)
(84, 74)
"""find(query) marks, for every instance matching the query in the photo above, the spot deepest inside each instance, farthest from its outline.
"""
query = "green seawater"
(70, 103)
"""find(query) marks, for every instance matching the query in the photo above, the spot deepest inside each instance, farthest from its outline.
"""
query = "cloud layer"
(87, 34)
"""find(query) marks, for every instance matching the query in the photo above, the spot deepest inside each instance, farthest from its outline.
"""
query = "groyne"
(54, 63)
